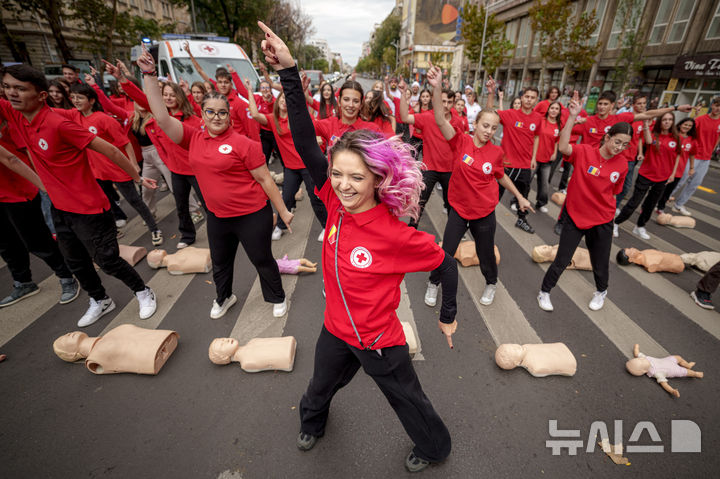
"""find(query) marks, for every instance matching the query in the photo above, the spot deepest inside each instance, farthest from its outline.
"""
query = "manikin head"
(542, 253)
(638, 366)
(156, 257)
(221, 350)
(73, 346)
(509, 356)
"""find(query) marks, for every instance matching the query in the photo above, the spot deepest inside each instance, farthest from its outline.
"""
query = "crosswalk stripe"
(32, 308)
(504, 319)
(711, 220)
(703, 202)
(611, 320)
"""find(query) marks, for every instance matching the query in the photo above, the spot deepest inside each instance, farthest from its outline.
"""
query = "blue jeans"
(690, 182)
(627, 184)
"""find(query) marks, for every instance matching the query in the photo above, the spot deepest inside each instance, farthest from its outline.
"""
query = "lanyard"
(342, 295)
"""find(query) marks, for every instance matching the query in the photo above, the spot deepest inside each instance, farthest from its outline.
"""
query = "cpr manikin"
(467, 255)
(185, 261)
(703, 260)
(651, 259)
(666, 219)
(540, 360)
(259, 354)
(295, 266)
(558, 198)
(125, 349)
(661, 369)
(132, 254)
(545, 254)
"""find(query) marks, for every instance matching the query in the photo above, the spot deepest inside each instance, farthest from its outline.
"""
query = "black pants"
(181, 191)
(267, 139)
(662, 202)
(336, 363)
(643, 186)
(483, 231)
(131, 195)
(565, 178)
(291, 184)
(542, 173)
(86, 238)
(417, 144)
(24, 229)
(430, 177)
(556, 162)
(598, 240)
(711, 280)
(253, 231)
(521, 178)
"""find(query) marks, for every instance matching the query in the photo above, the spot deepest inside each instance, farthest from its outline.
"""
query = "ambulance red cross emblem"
(360, 257)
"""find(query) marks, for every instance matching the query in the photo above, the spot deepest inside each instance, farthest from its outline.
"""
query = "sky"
(346, 24)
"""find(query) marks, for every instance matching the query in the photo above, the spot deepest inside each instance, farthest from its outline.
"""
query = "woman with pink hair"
(366, 252)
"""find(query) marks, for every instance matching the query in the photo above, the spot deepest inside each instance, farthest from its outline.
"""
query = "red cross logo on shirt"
(225, 149)
(360, 257)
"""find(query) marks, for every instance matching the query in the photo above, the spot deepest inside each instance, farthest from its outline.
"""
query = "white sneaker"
(544, 209)
(321, 237)
(597, 300)
(488, 295)
(148, 305)
(641, 232)
(279, 309)
(277, 233)
(563, 191)
(513, 207)
(120, 223)
(617, 212)
(616, 230)
(445, 211)
(682, 210)
(97, 310)
(182, 245)
(218, 311)
(431, 294)
(544, 301)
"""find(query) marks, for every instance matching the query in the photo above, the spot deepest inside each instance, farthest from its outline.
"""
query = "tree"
(387, 33)
(320, 64)
(578, 54)
(631, 41)
(549, 21)
(496, 45)
(51, 11)
(335, 66)
(306, 55)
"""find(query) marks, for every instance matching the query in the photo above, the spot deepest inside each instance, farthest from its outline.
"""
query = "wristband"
(139, 181)
(152, 73)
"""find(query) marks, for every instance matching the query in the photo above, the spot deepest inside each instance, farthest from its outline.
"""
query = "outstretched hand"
(276, 52)
(574, 105)
(184, 86)
(491, 84)
(146, 62)
(305, 81)
(90, 80)
(113, 70)
(230, 69)
(448, 329)
(434, 76)
(402, 86)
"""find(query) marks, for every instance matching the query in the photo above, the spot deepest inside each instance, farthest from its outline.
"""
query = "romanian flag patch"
(332, 235)
(518, 124)
(593, 130)
(593, 170)
(468, 160)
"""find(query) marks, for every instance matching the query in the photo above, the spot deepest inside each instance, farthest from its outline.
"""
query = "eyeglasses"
(222, 114)
(264, 87)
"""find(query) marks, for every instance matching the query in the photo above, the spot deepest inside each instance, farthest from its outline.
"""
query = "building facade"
(681, 56)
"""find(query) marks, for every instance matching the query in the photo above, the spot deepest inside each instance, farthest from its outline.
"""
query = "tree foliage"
(496, 47)
(380, 47)
(51, 11)
(578, 54)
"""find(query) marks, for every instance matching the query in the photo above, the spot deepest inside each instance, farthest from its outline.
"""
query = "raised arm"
(197, 66)
(188, 94)
(301, 126)
(108, 105)
(650, 114)
(172, 127)
(434, 78)
(130, 89)
(252, 106)
(501, 95)
(490, 85)
(564, 145)
(405, 115)
(266, 76)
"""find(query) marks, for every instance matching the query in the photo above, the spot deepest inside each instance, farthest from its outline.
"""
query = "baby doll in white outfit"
(661, 368)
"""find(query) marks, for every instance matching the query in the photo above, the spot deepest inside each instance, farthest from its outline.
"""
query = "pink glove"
(288, 266)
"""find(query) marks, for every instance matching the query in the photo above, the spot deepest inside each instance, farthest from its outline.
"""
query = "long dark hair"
(276, 114)
(693, 131)
(66, 103)
(621, 128)
(559, 117)
(657, 131)
(85, 90)
(375, 107)
(430, 103)
(183, 103)
(322, 113)
(350, 85)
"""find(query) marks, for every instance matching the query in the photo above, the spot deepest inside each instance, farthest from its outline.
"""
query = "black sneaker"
(414, 463)
(524, 225)
(306, 441)
(702, 299)
(20, 291)
(70, 290)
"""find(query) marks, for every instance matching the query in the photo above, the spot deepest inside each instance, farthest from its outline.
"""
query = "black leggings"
(131, 195)
(253, 231)
(291, 184)
(267, 139)
(598, 240)
(662, 202)
(643, 186)
(181, 191)
(431, 177)
(483, 231)
(521, 178)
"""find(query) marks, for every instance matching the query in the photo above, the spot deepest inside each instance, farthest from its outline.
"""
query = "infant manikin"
(540, 360)
(125, 349)
(259, 354)
(295, 266)
(667, 219)
(651, 259)
(545, 253)
(185, 261)
(661, 369)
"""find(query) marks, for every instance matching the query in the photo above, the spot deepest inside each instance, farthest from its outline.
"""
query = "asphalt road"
(199, 420)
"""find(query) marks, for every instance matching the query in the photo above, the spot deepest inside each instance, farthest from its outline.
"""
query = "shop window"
(673, 14)
(714, 30)
(634, 19)
(523, 36)
(599, 6)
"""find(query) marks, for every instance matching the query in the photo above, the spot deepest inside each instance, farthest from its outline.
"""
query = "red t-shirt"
(57, 147)
(241, 118)
(519, 132)
(329, 110)
(473, 190)
(13, 187)
(332, 128)
(595, 127)
(102, 125)
(548, 138)
(222, 166)
(689, 148)
(542, 107)
(289, 154)
(593, 185)
(123, 102)
(659, 158)
(375, 250)
(707, 136)
(437, 154)
(384, 126)
(630, 153)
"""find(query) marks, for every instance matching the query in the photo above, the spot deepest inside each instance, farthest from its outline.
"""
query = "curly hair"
(391, 161)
